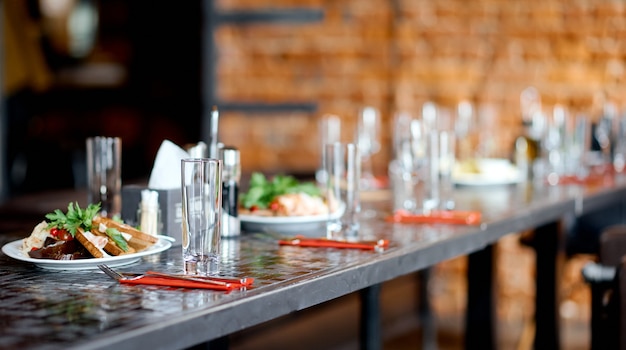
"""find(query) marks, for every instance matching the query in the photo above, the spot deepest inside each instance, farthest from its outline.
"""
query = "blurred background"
(79, 68)
(152, 70)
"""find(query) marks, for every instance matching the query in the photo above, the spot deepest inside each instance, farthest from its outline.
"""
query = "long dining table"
(85, 309)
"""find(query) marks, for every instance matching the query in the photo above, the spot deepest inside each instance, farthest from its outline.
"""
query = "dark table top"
(43, 309)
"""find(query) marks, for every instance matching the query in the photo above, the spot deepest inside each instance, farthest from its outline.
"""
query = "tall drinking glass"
(578, 142)
(554, 144)
(104, 168)
(488, 144)
(201, 185)
(414, 155)
(399, 179)
(329, 132)
(446, 133)
(430, 179)
(343, 167)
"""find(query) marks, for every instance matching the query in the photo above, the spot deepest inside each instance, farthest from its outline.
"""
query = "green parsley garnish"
(262, 191)
(117, 237)
(75, 218)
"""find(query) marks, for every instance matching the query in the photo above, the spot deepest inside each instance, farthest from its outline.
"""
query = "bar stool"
(607, 279)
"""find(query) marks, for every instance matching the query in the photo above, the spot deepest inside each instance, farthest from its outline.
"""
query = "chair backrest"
(622, 304)
(613, 245)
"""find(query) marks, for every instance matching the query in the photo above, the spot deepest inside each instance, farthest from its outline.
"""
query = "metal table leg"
(222, 343)
(429, 330)
(546, 245)
(479, 325)
(370, 333)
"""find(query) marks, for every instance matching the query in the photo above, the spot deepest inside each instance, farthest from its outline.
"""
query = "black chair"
(607, 279)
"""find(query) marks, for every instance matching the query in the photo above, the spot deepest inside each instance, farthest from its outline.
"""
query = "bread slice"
(110, 223)
(139, 240)
(112, 247)
(91, 248)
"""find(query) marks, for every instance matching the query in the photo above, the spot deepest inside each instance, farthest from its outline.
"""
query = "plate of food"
(283, 204)
(81, 239)
(486, 172)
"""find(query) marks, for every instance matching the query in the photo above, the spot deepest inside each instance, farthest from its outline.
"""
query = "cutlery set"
(178, 280)
(453, 217)
(329, 243)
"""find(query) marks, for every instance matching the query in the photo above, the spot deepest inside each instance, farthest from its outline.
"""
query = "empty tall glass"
(329, 132)
(201, 185)
(554, 144)
(399, 177)
(416, 189)
(104, 168)
(578, 142)
(343, 167)
(446, 142)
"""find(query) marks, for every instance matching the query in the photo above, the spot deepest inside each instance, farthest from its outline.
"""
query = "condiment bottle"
(526, 146)
(149, 213)
(231, 174)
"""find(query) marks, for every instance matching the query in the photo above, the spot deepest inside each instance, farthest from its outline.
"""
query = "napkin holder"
(170, 203)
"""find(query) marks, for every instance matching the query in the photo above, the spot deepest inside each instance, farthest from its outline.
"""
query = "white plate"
(284, 224)
(12, 250)
(492, 171)
(478, 180)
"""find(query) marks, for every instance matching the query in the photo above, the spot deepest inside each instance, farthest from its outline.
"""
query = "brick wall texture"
(397, 54)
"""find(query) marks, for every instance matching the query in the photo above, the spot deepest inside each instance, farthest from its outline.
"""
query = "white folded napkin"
(165, 174)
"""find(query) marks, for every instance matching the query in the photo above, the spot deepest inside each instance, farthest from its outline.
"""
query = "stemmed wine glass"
(619, 151)
(464, 127)
(604, 131)
(368, 140)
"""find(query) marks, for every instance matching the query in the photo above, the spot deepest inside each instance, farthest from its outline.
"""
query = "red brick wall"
(397, 54)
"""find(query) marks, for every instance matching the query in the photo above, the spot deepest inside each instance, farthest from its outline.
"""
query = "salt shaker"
(231, 174)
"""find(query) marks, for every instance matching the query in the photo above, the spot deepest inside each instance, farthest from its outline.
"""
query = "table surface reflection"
(86, 309)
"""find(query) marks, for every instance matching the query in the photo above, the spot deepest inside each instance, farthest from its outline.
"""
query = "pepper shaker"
(231, 174)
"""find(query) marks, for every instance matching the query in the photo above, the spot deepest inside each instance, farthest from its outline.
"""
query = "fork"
(118, 276)
(114, 274)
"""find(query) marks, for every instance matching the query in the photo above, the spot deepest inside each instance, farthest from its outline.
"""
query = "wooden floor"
(334, 325)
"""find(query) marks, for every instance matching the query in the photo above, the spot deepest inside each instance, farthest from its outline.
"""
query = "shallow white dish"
(255, 223)
(492, 171)
(285, 224)
(478, 180)
(12, 250)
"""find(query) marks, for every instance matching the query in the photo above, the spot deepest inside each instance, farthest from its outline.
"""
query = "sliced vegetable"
(117, 237)
(263, 191)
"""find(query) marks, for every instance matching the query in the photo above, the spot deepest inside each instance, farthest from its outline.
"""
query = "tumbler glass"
(104, 168)
(201, 185)
(343, 166)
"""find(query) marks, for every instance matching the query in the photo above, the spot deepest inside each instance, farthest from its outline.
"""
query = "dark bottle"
(231, 174)
(527, 145)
